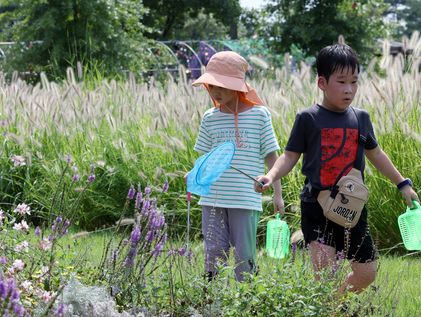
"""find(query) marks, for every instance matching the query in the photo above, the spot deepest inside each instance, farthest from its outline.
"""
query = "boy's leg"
(215, 231)
(243, 229)
(362, 275)
(322, 256)
(360, 250)
(318, 236)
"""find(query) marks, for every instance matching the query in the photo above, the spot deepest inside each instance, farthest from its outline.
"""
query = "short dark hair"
(336, 57)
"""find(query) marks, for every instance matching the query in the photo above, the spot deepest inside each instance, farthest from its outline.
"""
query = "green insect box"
(277, 238)
(410, 227)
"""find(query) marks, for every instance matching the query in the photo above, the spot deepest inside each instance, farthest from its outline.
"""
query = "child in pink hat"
(231, 211)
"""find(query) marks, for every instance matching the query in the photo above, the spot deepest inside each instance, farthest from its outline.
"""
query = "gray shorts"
(230, 227)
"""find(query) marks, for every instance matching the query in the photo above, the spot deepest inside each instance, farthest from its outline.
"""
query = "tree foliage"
(412, 16)
(407, 15)
(202, 27)
(102, 33)
(313, 24)
(167, 18)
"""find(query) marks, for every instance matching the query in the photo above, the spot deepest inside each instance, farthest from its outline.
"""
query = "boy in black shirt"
(327, 135)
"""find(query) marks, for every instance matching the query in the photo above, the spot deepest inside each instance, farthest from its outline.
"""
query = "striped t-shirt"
(257, 139)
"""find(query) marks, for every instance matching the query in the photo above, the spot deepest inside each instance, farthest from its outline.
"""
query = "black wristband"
(405, 182)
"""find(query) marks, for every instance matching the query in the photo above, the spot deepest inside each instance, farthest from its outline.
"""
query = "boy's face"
(223, 96)
(340, 90)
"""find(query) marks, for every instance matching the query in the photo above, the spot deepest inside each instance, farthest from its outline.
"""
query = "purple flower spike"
(18, 310)
(75, 178)
(149, 236)
(165, 187)
(60, 310)
(182, 251)
(15, 295)
(10, 295)
(131, 193)
(147, 191)
(37, 231)
(3, 260)
(138, 200)
(135, 236)
(145, 206)
(91, 178)
(2, 289)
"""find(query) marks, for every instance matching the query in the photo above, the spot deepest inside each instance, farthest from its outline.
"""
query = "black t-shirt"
(329, 143)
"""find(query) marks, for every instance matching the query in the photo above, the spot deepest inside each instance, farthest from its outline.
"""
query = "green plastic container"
(410, 227)
(277, 238)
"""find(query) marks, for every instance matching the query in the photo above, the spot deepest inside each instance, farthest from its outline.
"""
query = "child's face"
(223, 96)
(340, 90)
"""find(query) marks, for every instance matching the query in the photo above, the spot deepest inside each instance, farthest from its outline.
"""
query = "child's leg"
(322, 256)
(215, 231)
(362, 253)
(318, 236)
(243, 228)
(362, 275)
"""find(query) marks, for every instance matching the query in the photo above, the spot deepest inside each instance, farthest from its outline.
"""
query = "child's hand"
(409, 195)
(267, 181)
(278, 204)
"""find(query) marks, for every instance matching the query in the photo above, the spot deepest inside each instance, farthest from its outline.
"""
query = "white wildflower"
(27, 286)
(46, 296)
(45, 244)
(22, 226)
(18, 160)
(22, 209)
(18, 265)
(23, 246)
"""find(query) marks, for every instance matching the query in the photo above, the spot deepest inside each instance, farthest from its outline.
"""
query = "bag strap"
(360, 151)
(361, 142)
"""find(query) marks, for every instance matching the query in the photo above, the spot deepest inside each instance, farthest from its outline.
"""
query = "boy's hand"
(267, 181)
(278, 204)
(409, 195)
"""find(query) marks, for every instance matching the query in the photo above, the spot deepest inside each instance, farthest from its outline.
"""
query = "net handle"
(416, 205)
(238, 170)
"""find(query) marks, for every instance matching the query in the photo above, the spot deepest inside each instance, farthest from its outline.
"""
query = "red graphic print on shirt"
(339, 149)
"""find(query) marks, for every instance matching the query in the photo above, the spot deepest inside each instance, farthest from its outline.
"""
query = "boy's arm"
(384, 165)
(278, 202)
(282, 167)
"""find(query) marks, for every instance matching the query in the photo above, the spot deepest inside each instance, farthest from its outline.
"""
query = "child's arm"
(384, 165)
(278, 202)
(282, 167)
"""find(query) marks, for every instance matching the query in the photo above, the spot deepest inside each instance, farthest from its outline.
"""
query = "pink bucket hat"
(227, 69)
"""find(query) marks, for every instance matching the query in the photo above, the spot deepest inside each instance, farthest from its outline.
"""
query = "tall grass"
(136, 133)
